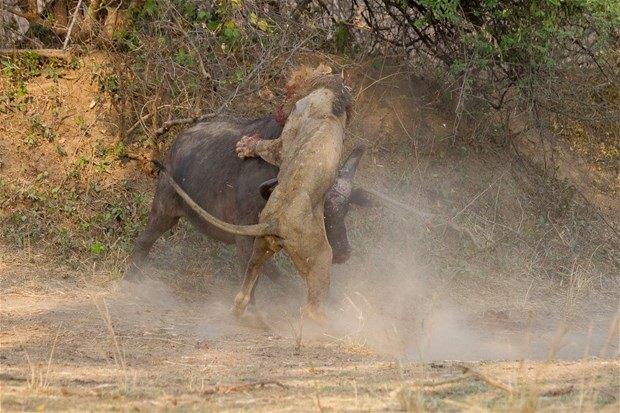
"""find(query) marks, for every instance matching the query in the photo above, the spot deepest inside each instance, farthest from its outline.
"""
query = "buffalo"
(203, 160)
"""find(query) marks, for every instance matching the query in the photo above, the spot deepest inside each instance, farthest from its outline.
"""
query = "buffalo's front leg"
(261, 252)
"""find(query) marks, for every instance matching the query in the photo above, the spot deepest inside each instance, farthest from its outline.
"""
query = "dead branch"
(201, 63)
(174, 122)
(75, 13)
(469, 373)
(50, 53)
(138, 123)
(443, 382)
(10, 377)
(231, 388)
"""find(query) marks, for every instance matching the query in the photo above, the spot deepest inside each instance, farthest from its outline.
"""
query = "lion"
(308, 153)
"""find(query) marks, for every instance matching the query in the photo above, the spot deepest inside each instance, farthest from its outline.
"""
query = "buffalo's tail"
(160, 166)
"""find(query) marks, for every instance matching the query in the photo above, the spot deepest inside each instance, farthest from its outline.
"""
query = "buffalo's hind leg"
(163, 217)
(155, 229)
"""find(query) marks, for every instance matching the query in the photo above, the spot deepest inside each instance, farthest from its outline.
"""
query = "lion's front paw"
(246, 147)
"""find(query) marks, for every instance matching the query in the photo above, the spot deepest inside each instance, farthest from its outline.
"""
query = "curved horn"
(347, 170)
(266, 188)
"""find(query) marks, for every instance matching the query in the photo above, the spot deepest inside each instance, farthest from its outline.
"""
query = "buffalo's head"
(337, 202)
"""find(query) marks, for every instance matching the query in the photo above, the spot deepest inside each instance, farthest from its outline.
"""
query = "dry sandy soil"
(514, 309)
(77, 342)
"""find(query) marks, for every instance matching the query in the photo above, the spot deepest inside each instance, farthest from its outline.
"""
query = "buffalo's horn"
(347, 171)
(266, 188)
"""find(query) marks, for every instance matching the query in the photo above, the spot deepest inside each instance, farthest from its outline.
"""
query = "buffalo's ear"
(361, 197)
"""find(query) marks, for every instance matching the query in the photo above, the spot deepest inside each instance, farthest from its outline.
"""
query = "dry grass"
(154, 352)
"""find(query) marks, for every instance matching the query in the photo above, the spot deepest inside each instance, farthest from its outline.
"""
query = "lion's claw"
(246, 146)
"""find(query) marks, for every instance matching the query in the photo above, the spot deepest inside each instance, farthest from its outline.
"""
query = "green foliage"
(520, 35)
(30, 64)
(239, 75)
(51, 209)
(342, 37)
(259, 23)
(446, 10)
(37, 133)
(127, 40)
(96, 248)
(149, 8)
(109, 84)
(16, 98)
(22, 68)
(183, 58)
(37, 127)
(502, 41)
(230, 31)
(203, 16)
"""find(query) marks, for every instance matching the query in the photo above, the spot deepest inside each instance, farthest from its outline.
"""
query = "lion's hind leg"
(262, 250)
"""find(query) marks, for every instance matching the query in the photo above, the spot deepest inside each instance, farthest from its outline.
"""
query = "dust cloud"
(408, 291)
(394, 300)
(155, 305)
(386, 301)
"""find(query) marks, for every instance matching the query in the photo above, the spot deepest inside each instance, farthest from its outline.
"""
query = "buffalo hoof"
(342, 257)
(133, 274)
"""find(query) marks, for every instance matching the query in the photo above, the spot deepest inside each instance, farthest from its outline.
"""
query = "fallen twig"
(468, 373)
(479, 376)
(443, 382)
(231, 388)
(10, 377)
(557, 391)
(138, 123)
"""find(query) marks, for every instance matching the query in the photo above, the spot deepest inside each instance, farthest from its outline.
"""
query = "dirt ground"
(71, 342)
